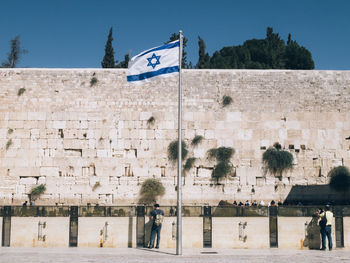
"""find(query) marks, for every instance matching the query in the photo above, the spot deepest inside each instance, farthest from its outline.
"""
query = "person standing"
(157, 216)
(326, 227)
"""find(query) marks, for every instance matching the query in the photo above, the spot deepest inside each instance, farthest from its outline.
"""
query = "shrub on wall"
(276, 161)
(151, 121)
(197, 140)
(150, 190)
(96, 185)
(93, 81)
(223, 166)
(38, 190)
(8, 144)
(189, 163)
(226, 100)
(340, 179)
(21, 91)
(173, 151)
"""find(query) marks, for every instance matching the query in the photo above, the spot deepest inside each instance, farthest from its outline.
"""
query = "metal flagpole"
(179, 163)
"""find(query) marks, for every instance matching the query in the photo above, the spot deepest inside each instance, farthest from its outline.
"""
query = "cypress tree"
(14, 56)
(204, 58)
(108, 59)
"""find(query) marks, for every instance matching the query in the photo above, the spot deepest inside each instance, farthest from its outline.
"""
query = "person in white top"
(326, 227)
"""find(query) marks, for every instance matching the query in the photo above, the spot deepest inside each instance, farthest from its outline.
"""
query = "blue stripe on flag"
(152, 74)
(166, 46)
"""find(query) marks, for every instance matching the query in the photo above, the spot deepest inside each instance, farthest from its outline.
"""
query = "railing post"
(273, 225)
(73, 226)
(6, 226)
(140, 226)
(207, 227)
(339, 227)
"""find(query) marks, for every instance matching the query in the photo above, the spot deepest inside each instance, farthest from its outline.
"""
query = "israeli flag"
(155, 63)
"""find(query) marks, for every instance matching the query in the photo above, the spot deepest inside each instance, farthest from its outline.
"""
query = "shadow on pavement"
(156, 251)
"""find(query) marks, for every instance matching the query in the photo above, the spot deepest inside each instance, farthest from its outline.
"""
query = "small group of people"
(325, 222)
(31, 203)
(255, 203)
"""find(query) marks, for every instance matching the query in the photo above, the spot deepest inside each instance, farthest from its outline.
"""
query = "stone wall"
(93, 143)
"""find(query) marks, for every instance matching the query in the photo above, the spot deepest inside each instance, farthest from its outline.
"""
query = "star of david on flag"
(157, 62)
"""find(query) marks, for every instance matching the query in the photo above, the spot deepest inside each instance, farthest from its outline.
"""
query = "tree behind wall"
(108, 59)
(124, 64)
(268, 53)
(14, 56)
(297, 57)
(203, 61)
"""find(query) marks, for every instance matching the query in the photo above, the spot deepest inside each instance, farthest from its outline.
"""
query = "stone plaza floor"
(135, 255)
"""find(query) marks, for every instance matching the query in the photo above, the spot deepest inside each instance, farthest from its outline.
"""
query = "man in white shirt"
(326, 229)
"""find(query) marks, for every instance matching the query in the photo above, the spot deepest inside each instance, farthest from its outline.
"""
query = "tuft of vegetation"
(10, 131)
(21, 91)
(197, 140)
(221, 169)
(221, 154)
(93, 81)
(223, 166)
(8, 144)
(226, 100)
(151, 120)
(189, 163)
(340, 179)
(96, 185)
(150, 190)
(173, 151)
(38, 190)
(276, 160)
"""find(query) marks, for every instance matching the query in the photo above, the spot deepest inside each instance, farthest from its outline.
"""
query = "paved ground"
(134, 255)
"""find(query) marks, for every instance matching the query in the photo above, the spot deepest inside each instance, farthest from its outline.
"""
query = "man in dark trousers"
(326, 227)
(157, 216)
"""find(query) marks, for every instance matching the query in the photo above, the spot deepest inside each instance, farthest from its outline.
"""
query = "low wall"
(240, 232)
(39, 231)
(215, 227)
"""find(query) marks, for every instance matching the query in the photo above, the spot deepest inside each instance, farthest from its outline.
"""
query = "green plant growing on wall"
(38, 190)
(222, 156)
(226, 100)
(150, 190)
(21, 91)
(8, 144)
(10, 131)
(96, 185)
(93, 81)
(189, 164)
(340, 179)
(173, 151)
(151, 121)
(276, 161)
(197, 140)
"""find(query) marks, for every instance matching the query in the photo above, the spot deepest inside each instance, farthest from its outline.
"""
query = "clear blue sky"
(73, 33)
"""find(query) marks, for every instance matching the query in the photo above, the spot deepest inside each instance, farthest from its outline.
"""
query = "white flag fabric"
(157, 62)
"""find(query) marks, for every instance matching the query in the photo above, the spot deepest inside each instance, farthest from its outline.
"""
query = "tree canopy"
(268, 53)
(13, 57)
(108, 59)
